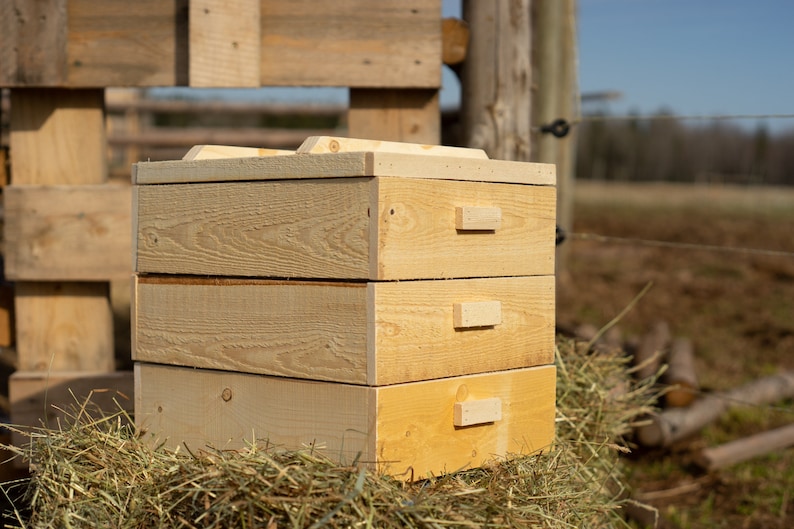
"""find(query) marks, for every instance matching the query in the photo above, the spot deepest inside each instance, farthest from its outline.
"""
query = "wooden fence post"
(557, 98)
(496, 79)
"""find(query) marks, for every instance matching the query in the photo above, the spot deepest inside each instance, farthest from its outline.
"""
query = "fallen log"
(675, 424)
(652, 350)
(746, 448)
(680, 374)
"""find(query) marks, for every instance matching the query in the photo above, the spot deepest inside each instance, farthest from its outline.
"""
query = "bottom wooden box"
(406, 430)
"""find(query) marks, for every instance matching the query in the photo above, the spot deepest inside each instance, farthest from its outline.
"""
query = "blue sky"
(690, 56)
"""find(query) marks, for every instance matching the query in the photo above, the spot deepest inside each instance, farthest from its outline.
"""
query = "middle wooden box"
(375, 333)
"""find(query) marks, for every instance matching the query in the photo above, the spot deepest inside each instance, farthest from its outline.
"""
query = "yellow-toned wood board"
(33, 43)
(383, 228)
(43, 399)
(64, 326)
(416, 434)
(225, 42)
(67, 233)
(333, 144)
(343, 164)
(212, 152)
(389, 43)
(373, 334)
(397, 115)
(405, 430)
(57, 136)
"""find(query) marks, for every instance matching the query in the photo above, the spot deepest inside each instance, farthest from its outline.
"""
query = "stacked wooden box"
(392, 303)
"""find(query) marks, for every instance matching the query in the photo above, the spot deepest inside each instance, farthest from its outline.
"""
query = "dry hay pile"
(97, 473)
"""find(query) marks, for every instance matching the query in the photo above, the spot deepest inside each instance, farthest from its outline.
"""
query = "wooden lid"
(330, 157)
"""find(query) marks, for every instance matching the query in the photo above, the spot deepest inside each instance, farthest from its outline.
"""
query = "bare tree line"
(673, 150)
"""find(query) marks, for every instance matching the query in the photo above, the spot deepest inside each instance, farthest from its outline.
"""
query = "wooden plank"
(197, 407)
(395, 115)
(387, 228)
(57, 136)
(33, 46)
(74, 233)
(122, 43)
(64, 327)
(406, 430)
(389, 43)
(224, 43)
(305, 228)
(213, 152)
(347, 164)
(412, 418)
(386, 333)
(332, 144)
(240, 136)
(289, 328)
(417, 234)
(42, 399)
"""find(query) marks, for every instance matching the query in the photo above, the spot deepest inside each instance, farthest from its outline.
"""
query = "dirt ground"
(736, 305)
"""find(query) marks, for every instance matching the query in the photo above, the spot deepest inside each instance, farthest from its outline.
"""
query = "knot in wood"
(226, 395)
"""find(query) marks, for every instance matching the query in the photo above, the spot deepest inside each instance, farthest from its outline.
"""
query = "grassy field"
(725, 279)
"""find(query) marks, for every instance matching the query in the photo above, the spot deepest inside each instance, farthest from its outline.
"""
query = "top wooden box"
(379, 212)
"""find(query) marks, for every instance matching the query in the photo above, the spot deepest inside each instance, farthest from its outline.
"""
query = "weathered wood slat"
(85, 43)
(395, 115)
(406, 430)
(67, 233)
(122, 43)
(58, 137)
(33, 43)
(64, 326)
(224, 43)
(373, 334)
(389, 43)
